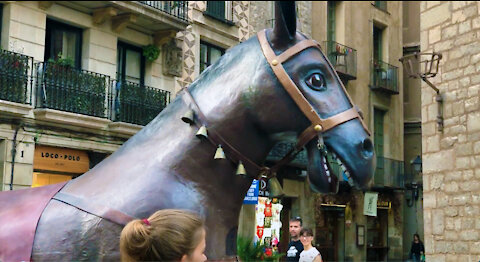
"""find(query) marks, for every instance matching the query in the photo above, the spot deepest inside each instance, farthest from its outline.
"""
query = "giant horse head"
(313, 103)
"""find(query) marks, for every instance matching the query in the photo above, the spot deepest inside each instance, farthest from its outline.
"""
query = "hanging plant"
(151, 52)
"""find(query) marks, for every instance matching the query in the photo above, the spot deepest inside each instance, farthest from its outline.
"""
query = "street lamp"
(424, 66)
(417, 164)
(411, 189)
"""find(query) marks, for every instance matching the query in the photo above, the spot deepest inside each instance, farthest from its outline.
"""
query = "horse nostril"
(367, 147)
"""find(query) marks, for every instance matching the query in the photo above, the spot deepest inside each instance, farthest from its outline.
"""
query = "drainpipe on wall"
(14, 152)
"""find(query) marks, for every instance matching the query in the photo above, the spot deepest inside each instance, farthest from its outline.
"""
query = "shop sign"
(263, 191)
(252, 195)
(60, 160)
(370, 204)
(384, 204)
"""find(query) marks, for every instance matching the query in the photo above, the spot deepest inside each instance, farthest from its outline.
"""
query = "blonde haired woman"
(167, 235)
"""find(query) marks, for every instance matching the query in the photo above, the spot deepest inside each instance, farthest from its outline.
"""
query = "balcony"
(158, 17)
(64, 88)
(15, 83)
(389, 173)
(178, 9)
(384, 78)
(137, 104)
(343, 59)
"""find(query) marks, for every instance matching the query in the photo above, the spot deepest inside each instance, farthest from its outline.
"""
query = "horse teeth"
(328, 173)
(329, 179)
(343, 168)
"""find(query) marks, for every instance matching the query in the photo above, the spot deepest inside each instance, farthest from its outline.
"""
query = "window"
(378, 118)
(221, 10)
(63, 41)
(330, 21)
(382, 5)
(130, 63)
(377, 43)
(1, 18)
(209, 54)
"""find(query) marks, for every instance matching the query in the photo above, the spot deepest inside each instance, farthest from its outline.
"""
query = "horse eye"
(316, 82)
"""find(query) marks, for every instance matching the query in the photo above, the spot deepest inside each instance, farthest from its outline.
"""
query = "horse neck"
(167, 157)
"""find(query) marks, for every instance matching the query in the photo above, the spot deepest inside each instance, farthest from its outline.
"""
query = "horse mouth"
(326, 169)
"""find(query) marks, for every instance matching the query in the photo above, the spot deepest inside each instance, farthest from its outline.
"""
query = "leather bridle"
(318, 125)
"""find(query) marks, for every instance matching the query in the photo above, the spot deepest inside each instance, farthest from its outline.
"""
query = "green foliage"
(73, 90)
(151, 52)
(60, 61)
(13, 76)
(140, 104)
(248, 251)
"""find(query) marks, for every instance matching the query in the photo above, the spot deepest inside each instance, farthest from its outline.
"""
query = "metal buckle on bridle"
(321, 145)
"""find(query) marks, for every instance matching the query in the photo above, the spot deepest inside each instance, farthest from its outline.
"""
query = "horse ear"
(285, 27)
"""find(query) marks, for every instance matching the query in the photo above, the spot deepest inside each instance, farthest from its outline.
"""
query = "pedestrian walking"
(167, 235)
(417, 251)
(309, 253)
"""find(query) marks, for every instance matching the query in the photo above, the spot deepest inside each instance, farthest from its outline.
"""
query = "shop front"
(377, 231)
(330, 232)
(333, 218)
(53, 165)
(267, 217)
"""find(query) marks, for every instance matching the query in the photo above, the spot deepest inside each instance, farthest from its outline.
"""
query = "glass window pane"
(69, 41)
(133, 60)
(215, 54)
(57, 44)
(203, 57)
(120, 62)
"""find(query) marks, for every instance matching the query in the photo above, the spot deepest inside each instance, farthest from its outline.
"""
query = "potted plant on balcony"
(151, 52)
(68, 89)
(14, 76)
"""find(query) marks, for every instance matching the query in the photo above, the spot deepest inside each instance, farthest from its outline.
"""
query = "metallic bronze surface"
(166, 166)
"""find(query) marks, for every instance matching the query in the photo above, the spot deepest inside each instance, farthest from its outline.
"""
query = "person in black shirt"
(417, 249)
(295, 247)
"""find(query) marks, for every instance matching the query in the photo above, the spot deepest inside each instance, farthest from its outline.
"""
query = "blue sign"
(252, 195)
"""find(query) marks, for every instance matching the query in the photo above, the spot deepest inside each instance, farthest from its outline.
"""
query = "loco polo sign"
(60, 160)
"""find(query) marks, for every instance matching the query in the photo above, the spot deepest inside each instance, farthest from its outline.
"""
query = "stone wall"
(451, 161)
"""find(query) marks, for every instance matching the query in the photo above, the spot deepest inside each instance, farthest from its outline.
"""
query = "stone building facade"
(451, 162)
(43, 113)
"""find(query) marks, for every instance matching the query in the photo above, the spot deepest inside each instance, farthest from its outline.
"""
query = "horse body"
(163, 166)
(166, 166)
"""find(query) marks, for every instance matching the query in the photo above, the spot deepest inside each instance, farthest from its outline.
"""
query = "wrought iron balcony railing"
(178, 9)
(343, 59)
(389, 173)
(384, 77)
(68, 89)
(15, 80)
(137, 104)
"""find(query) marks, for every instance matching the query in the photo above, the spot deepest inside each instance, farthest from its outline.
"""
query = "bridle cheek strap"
(318, 125)
(275, 63)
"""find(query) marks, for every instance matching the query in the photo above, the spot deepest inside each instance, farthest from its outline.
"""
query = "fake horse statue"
(273, 85)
